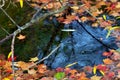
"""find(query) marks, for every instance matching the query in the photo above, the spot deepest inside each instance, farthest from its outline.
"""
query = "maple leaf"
(111, 74)
(42, 68)
(100, 3)
(102, 67)
(96, 77)
(115, 56)
(107, 61)
(67, 70)
(32, 71)
(83, 19)
(83, 76)
(73, 72)
(88, 69)
(107, 54)
(59, 69)
(21, 37)
(22, 65)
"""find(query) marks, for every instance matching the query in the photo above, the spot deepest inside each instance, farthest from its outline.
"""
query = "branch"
(33, 21)
(12, 50)
(45, 57)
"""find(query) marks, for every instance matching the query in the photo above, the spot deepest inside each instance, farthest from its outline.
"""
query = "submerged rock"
(81, 47)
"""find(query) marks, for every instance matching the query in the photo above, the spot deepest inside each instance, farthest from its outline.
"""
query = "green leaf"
(59, 75)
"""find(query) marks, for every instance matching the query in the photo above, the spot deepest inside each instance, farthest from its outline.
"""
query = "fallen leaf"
(42, 68)
(21, 37)
(107, 54)
(88, 69)
(69, 65)
(59, 75)
(102, 72)
(95, 78)
(34, 59)
(94, 69)
(107, 61)
(21, 3)
(111, 74)
(102, 67)
(9, 55)
(32, 71)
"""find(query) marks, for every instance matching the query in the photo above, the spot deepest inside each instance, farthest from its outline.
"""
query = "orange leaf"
(73, 72)
(42, 68)
(107, 61)
(21, 37)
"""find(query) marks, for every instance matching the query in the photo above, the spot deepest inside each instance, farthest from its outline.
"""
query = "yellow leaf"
(94, 69)
(34, 59)
(21, 37)
(102, 72)
(75, 7)
(6, 79)
(110, 29)
(104, 17)
(9, 54)
(21, 3)
(70, 64)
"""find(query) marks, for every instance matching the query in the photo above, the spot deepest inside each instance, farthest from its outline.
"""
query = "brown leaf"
(32, 71)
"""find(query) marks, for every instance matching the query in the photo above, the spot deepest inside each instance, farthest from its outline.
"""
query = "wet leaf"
(107, 61)
(34, 59)
(96, 77)
(94, 69)
(42, 68)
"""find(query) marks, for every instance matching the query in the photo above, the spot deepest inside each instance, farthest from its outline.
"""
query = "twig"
(5, 30)
(10, 17)
(3, 3)
(45, 57)
(33, 21)
(12, 50)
